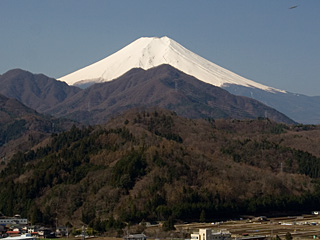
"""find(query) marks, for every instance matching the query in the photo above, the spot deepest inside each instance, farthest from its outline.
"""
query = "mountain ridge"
(303, 109)
(163, 86)
(36, 91)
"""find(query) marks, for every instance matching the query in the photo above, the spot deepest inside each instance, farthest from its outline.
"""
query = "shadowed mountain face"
(163, 86)
(166, 87)
(21, 127)
(36, 91)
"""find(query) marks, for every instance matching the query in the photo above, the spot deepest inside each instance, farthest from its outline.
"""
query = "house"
(61, 231)
(135, 237)
(209, 234)
(2, 229)
(260, 219)
(45, 232)
(33, 230)
(12, 233)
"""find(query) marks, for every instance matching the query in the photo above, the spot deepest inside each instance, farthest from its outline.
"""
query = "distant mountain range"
(162, 86)
(303, 109)
(170, 76)
(147, 53)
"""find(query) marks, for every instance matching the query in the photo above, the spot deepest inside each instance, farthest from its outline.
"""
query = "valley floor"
(300, 227)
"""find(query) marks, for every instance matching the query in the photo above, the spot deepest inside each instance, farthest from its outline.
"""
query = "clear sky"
(262, 40)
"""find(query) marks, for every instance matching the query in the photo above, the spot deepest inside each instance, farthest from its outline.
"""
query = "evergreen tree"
(168, 225)
(202, 216)
(288, 236)
(277, 237)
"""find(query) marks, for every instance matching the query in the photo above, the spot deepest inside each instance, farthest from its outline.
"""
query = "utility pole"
(83, 237)
(56, 226)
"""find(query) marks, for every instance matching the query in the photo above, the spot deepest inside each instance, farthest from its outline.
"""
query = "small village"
(251, 228)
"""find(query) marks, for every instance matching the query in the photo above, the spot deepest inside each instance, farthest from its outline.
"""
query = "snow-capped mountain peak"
(149, 52)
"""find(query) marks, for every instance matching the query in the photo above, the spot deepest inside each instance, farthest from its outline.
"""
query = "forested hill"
(155, 165)
(22, 128)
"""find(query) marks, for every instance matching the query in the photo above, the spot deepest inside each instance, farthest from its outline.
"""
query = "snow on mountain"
(151, 52)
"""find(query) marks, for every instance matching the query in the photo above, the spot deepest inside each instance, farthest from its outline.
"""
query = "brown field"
(300, 227)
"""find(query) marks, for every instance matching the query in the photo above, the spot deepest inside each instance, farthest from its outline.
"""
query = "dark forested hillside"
(155, 165)
(21, 127)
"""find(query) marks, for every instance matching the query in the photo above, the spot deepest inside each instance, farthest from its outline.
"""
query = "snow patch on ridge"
(151, 52)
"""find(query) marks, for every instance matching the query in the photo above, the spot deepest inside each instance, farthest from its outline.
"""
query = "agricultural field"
(300, 227)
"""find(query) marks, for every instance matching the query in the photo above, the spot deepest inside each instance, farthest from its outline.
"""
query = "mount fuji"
(150, 52)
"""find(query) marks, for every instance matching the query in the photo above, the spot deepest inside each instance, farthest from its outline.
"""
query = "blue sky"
(263, 40)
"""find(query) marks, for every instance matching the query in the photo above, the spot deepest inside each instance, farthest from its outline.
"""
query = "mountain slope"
(21, 127)
(162, 86)
(155, 165)
(36, 91)
(303, 109)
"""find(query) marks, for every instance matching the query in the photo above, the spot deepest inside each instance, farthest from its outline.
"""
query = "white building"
(13, 221)
(209, 234)
(135, 237)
